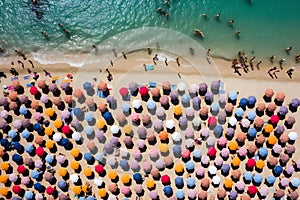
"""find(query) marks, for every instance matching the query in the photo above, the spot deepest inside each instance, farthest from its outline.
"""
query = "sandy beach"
(125, 71)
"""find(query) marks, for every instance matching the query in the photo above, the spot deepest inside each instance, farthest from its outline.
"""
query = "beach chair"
(173, 87)
(29, 85)
(100, 94)
(14, 78)
(222, 88)
(26, 77)
(149, 67)
(152, 84)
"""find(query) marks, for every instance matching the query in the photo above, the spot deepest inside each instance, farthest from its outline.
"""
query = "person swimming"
(231, 21)
(217, 16)
(288, 49)
(44, 34)
(199, 33)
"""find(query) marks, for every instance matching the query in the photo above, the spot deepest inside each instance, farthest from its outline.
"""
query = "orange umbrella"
(62, 171)
(100, 123)
(74, 165)
(233, 145)
(3, 178)
(48, 130)
(127, 129)
(236, 162)
(75, 152)
(125, 178)
(49, 144)
(260, 164)
(163, 135)
(268, 128)
(150, 183)
(272, 139)
(3, 191)
(5, 166)
(112, 174)
(178, 168)
(49, 112)
(13, 96)
(228, 183)
(102, 192)
(68, 99)
(15, 84)
(87, 172)
(77, 189)
(177, 110)
(102, 107)
(164, 148)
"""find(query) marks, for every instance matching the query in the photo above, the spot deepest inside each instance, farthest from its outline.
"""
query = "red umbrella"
(16, 189)
(123, 91)
(165, 179)
(99, 169)
(33, 90)
(50, 190)
(251, 163)
(66, 130)
(144, 91)
(274, 119)
(39, 151)
(21, 169)
(212, 151)
(186, 154)
(212, 120)
(252, 190)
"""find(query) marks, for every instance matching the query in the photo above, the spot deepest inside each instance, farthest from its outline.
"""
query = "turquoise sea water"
(267, 27)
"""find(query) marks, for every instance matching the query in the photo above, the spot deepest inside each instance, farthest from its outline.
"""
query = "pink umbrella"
(160, 164)
(189, 132)
(134, 117)
(153, 194)
(91, 145)
(225, 152)
(38, 164)
(140, 143)
(65, 114)
(205, 160)
(284, 158)
(289, 169)
(89, 102)
(164, 100)
(17, 124)
(277, 148)
(236, 174)
(160, 112)
(121, 118)
(25, 180)
(37, 116)
(138, 189)
(192, 194)
(212, 121)
(123, 91)
(222, 141)
(56, 101)
(134, 164)
(147, 166)
(127, 140)
(125, 190)
(13, 177)
(155, 173)
(136, 153)
(242, 151)
(219, 161)
(240, 185)
(186, 154)
(61, 159)
(202, 195)
(77, 93)
(284, 182)
(146, 119)
(154, 153)
(204, 132)
(44, 98)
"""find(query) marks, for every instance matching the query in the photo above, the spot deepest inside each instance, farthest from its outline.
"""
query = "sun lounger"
(26, 77)
(29, 85)
(149, 67)
(14, 78)
(152, 84)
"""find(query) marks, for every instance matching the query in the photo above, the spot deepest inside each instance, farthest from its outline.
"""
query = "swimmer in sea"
(199, 33)
(237, 34)
(44, 34)
(204, 15)
(231, 21)
(288, 49)
(217, 16)
(272, 58)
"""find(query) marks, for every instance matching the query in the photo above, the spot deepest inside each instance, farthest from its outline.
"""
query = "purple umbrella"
(26, 123)
(142, 132)
(277, 148)
(189, 143)
(160, 112)
(133, 87)
(158, 124)
(204, 132)
(284, 182)
(99, 134)
(65, 86)
(25, 180)
(38, 164)
(205, 160)
(75, 123)
(264, 191)
(189, 112)
(138, 189)
(182, 121)
(44, 98)
(37, 116)
(114, 141)
(189, 132)
(134, 164)
(160, 164)
(174, 95)
(127, 140)
(193, 89)
(240, 185)
(192, 194)
(154, 153)
(65, 114)
(61, 159)
(289, 169)
(225, 152)
(279, 129)
(153, 194)
(4, 114)
(196, 102)
(136, 153)
(140, 143)
(219, 161)
(13, 177)
(17, 124)
(290, 149)
(202, 88)
(108, 147)
(52, 87)
(23, 99)
(3, 101)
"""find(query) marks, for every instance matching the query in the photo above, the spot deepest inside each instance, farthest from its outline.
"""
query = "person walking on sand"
(47, 73)
(154, 60)
(22, 64)
(257, 65)
(272, 58)
(177, 61)
(274, 72)
(251, 62)
(31, 63)
(125, 57)
(281, 63)
(111, 63)
(166, 61)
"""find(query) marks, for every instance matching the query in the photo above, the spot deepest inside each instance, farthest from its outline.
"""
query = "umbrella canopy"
(16, 189)
(216, 180)
(205, 182)
(252, 190)
(236, 174)
(228, 183)
(263, 152)
(165, 179)
(284, 182)
(150, 183)
(248, 176)
(295, 182)
(293, 136)
(270, 179)
(257, 178)
(179, 194)
(143, 91)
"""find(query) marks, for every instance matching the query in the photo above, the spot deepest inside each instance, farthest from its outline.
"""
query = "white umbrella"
(123, 152)
(212, 169)
(232, 121)
(57, 137)
(196, 121)
(170, 124)
(111, 161)
(245, 123)
(189, 143)
(211, 141)
(76, 136)
(74, 178)
(216, 180)
(181, 86)
(293, 135)
(136, 104)
(98, 181)
(114, 129)
(176, 136)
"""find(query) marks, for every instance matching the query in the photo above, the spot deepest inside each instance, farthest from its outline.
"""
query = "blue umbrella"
(17, 146)
(35, 174)
(4, 142)
(232, 95)
(179, 181)
(89, 117)
(177, 151)
(179, 194)
(29, 148)
(209, 96)
(251, 100)
(87, 86)
(263, 152)
(124, 164)
(197, 153)
(88, 156)
(257, 178)
(138, 178)
(99, 156)
(38, 186)
(190, 182)
(225, 168)
(252, 132)
(168, 190)
(215, 106)
(185, 98)
(28, 195)
(125, 107)
(107, 116)
(270, 179)
(77, 112)
(239, 112)
(12, 134)
(49, 158)
(295, 182)
(23, 110)
(218, 130)
(37, 127)
(64, 142)
(190, 165)
(81, 198)
(248, 176)
(62, 184)
(277, 170)
(243, 102)
(25, 134)
(17, 158)
(88, 130)
(151, 104)
(90, 198)
(251, 115)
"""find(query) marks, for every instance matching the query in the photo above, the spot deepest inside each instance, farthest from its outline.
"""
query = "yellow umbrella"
(54, 78)
(57, 123)
(48, 130)
(49, 144)
(77, 189)
(4, 191)
(112, 174)
(75, 152)
(164, 148)
(84, 188)
(102, 192)
(150, 183)
(125, 178)
(3, 178)
(260, 164)
(177, 110)
(5, 166)
(178, 168)
(235, 161)
(62, 171)
(268, 128)
(228, 183)
(74, 165)
(100, 123)
(127, 129)
(87, 172)
(233, 145)
(49, 112)
(272, 139)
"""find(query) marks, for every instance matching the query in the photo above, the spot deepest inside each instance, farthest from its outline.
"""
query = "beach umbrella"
(229, 107)
(252, 190)
(150, 183)
(271, 107)
(232, 121)
(153, 194)
(74, 178)
(38, 186)
(252, 132)
(87, 86)
(251, 115)
(272, 161)
(284, 158)
(216, 180)
(48, 131)
(12, 134)
(239, 112)
(153, 153)
(248, 176)
(178, 168)
(186, 154)
(28, 161)
(212, 169)
(151, 104)
(88, 130)
(269, 92)
(28, 195)
(197, 153)
(66, 129)
(5, 166)
(76, 136)
(200, 171)
(160, 164)
(77, 112)
(181, 86)
(228, 183)
(13, 177)
(13, 105)
(219, 161)
(185, 98)
(48, 176)
(155, 92)
(243, 102)
(136, 153)
(164, 100)
(125, 190)
(221, 193)
(289, 169)
(177, 151)
(138, 189)
(37, 127)
(257, 178)
(65, 114)
(205, 182)
(50, 190)
(233, 194)
(205, 160)
(191, 182)
(13, 96)
(5, 143)
(284, 182)
(49, 158)
(102, 86)
(232, 95)
(62, 171)
(98, 182)
(155, 173)
(210, 141)
(209, 97)
(179, 194)
(3, 101)
(16, 189)
(57, 123)
(57, 137)
(168, 191)
(3, 178)
(35, 174)
(165, 179)
(295, 182)
(49, 112)
(294, 195)
(44, 98)
(17, 124)
(177, 110)
(272, 139)
(190, 165)
(164, 148)
(77, 190)
(196, 101)
(204, 132)
(75, 152)
(88, 156)
(189, 132)
(147, 166)
(260, 164)
(233, 145)
(143, 91)
(242, 151)
(211, 151)
(240, 137)
(277, 170)
(176, 136)
(293, 136)
(263, 152)
(236, 161)
(264, 191)
(138, 178)
(4, 114)
(38, 164)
